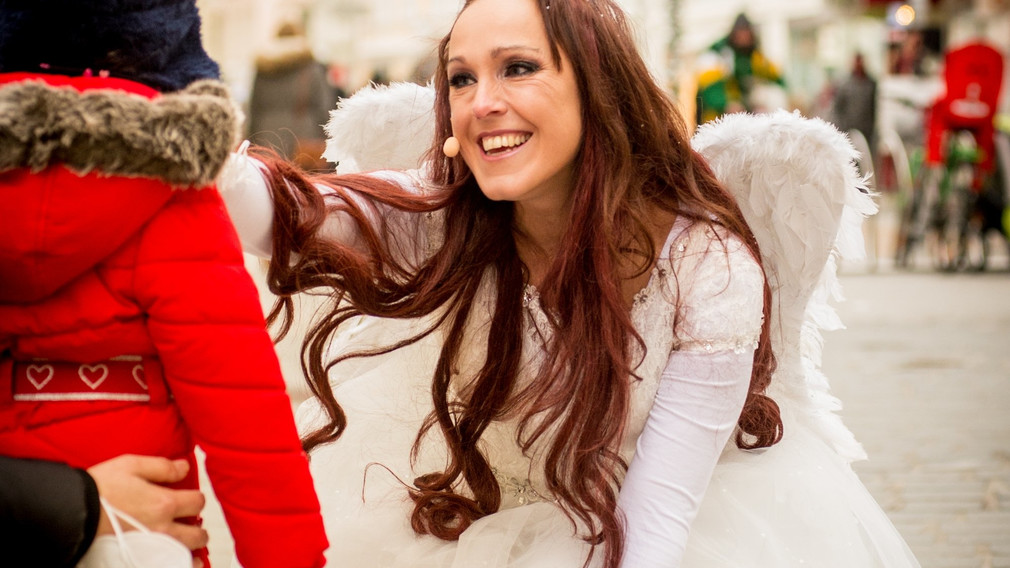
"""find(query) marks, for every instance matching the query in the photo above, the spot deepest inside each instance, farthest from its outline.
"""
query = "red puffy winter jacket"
(113, 243)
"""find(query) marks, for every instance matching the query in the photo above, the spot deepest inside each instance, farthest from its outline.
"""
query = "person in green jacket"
(728, 72)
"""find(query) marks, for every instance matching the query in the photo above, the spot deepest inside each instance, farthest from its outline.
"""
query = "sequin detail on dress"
(519, 490)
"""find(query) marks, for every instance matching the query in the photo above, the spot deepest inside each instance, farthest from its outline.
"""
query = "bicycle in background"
(959, 188)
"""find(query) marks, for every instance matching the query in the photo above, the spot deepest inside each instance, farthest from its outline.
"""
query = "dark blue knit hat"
(155, 42)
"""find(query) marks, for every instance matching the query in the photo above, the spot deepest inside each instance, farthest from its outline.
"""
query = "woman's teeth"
(496, 144)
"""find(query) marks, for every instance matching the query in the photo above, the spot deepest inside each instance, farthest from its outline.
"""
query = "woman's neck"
(538, 234)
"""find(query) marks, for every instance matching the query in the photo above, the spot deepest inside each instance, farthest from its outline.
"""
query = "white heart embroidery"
(40, 375)
(93, 375)
(139, 376)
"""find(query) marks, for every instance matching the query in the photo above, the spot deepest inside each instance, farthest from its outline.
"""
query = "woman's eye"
(457, 80)
(520, 68)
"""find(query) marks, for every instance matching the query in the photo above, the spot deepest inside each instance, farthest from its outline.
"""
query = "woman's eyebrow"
(496, 52)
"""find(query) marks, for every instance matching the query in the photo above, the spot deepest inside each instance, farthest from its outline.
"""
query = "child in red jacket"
(128, 323)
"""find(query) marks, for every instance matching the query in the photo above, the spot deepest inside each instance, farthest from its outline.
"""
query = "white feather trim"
(381, 127)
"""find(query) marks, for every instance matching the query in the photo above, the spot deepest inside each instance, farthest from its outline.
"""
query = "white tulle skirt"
(797, 504)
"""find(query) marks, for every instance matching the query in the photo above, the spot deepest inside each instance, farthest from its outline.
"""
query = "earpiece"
(451, 147)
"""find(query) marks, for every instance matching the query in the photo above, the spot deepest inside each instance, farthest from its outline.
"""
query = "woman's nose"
(489, 99)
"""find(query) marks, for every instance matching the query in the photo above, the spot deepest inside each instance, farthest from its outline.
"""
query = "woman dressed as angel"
(553, 345)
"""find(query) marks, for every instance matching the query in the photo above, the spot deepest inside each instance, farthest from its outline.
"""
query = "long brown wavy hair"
(634, 166)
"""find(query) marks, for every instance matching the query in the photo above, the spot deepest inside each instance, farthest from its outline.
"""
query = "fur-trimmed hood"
(183, 137)
(87, 161)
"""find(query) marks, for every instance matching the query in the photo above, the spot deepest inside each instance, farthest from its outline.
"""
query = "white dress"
(387, 398)
(795, 504)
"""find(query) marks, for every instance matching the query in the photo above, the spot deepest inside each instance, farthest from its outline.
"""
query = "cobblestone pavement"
(924, 373)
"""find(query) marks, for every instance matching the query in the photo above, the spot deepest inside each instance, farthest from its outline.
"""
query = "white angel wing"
(796, 181)
(381, 127)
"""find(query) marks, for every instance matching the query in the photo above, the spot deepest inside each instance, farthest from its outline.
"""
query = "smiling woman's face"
(517, 116)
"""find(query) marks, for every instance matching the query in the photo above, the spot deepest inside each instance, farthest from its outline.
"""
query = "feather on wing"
(381, 127)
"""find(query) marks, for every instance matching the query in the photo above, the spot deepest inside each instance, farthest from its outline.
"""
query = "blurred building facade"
(812, 40)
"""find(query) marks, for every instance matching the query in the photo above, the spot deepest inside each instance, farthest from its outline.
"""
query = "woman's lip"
(502, 155)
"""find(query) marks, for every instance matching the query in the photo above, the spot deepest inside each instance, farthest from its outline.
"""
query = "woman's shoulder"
(422, 223)
(704, 239)
(702, 259)
(720, 288)
(706, 259)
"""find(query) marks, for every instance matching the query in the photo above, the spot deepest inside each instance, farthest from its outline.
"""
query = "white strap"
(114, 515)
